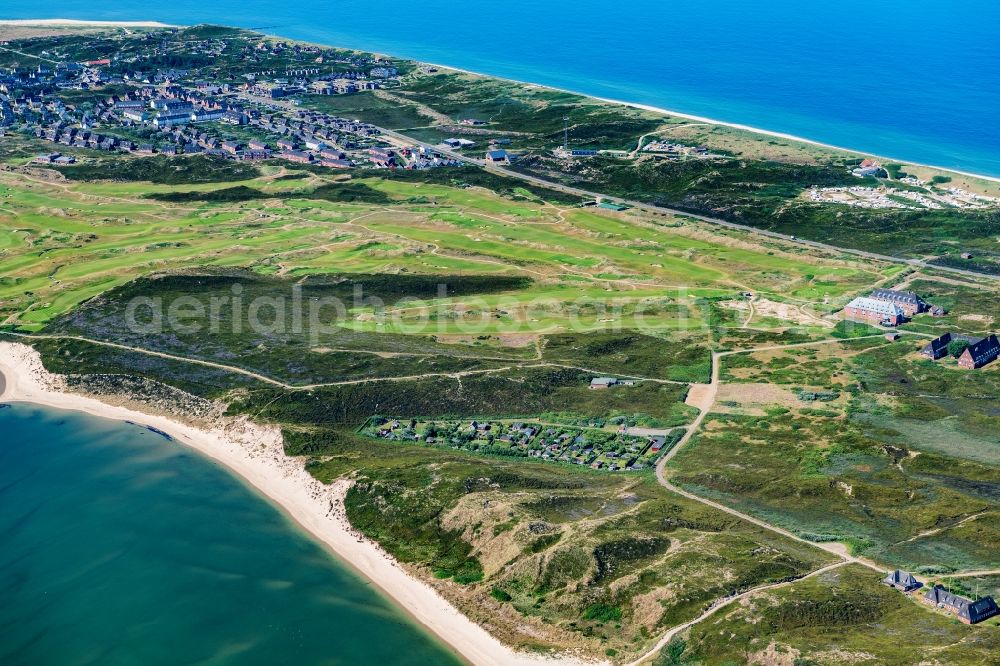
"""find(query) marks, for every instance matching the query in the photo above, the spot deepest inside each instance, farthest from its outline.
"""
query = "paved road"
(402, 140)
(587, 194)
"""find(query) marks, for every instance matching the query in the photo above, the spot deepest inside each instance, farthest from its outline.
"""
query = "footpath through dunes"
(703, 398)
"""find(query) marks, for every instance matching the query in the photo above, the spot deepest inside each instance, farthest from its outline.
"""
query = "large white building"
(874, 310)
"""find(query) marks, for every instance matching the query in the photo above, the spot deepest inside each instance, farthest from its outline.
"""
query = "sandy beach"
(70, 23)
(721, 123)
(254, 453)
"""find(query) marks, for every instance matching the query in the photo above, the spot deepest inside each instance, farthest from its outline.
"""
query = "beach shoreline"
(254, 454)
(77, 23)
(635, 105)
(713, 121)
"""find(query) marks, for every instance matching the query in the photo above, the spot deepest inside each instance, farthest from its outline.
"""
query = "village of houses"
(612, 447)
(618, 447)
(165, 112)
(170, 111)
(179, 115)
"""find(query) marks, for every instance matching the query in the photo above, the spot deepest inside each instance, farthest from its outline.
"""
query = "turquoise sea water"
(914, 79)
(120, 547)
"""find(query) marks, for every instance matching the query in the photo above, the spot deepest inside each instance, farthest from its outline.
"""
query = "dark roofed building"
(979, 353)
(296, 156)
(966, 610)
(497, 157)
(982, 609)
(908, 301)
(938, 347)
(901, 580)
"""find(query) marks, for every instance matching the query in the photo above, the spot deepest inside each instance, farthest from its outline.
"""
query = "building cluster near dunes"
(886, 196)
(611, 449)
(972, 351)
(170, 111)
(968, 611)
(889, 307)
(900, 191)
(604, 408)
(892, 308)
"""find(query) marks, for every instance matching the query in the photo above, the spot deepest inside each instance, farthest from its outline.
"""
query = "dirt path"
(970, 574)
(938, 530)
(721, 603)
(345, 382)
(27, 55)
(705, 399)
(422, 109)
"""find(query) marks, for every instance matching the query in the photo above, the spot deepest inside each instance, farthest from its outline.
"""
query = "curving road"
(406, 141)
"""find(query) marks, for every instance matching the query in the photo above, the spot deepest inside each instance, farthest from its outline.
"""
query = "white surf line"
(635, 105)
(713, 121)
(254, 454)
(80, 23)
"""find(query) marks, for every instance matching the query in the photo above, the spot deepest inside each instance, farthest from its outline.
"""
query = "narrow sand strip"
(722, 123)
(254, 453)
(57, 22)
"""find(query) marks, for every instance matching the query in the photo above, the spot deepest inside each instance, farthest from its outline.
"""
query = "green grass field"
(862, 442)
(65, 241)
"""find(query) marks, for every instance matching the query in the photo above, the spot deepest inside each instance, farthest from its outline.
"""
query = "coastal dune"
(254, 453)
